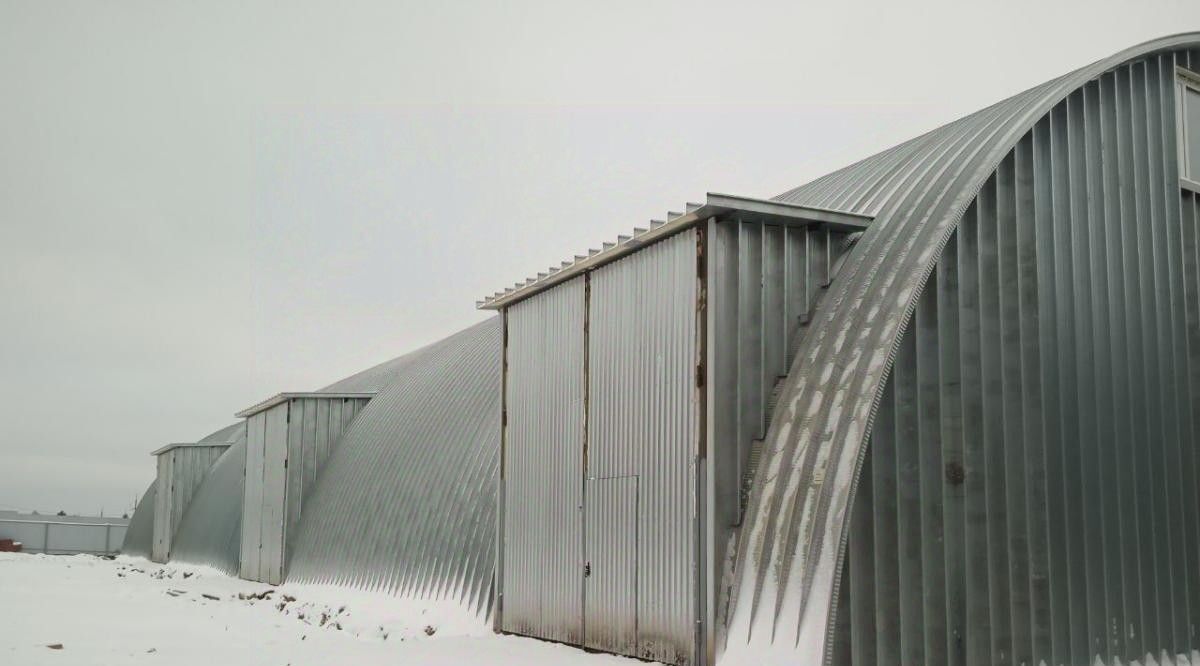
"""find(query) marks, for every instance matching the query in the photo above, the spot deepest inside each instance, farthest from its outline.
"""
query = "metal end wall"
(765, 281)
(264, 494)
(406, 502)
(1030, 489)
(287, 445)
(315, 427)
(140, 534)
(791, 549)
(642, 454)
(542, 538)
(181, 470)
(602, 458)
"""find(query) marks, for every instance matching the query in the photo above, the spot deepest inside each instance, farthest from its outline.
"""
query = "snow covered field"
(130, 611)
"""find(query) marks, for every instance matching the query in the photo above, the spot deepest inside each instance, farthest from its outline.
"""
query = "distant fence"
(54, 538)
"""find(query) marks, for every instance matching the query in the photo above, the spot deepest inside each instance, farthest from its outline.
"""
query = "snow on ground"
(131, 611)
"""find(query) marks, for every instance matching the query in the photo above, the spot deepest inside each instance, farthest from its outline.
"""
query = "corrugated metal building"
(288, 439)
(985, 451)
(181, 470)
(210, 532)
(616, 505)
(936, 407)
(404, 499)
(406, 504)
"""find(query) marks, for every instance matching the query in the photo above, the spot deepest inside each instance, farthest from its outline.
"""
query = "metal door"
(265, 496)
(541, 552)
(610, 564)
(275, 456)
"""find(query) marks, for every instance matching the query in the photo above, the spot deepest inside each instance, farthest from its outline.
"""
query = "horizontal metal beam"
(746, 209)
(1185, 73)
(181, 445)
(284, 397)
(778, 212)
(55, 523)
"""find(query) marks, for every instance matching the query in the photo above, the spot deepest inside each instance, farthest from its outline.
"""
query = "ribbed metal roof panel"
(406, 503)
(210, 532)
(376, 377)
(140, 534)
(917, 192)
(141, 526)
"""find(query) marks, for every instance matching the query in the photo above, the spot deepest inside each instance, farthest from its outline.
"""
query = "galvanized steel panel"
(315, 426)
(406, 502)
(274, 495)
(140, 535)
(162, 507)
(790, 562)
(542, 578)
(725, 452)
(752, 389)
(294, 463)
(639, 318)
(763, 284)
(181, 469)
(643, 421)
(211, 530)
(1071, 443)
(299, 435)
(252, 512)
(611, 564)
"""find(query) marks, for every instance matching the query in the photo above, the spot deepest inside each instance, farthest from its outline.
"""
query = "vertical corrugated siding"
(1030, 491)
(274, 495)
(162, 509)
(751, 375)
(265, 500)
(406, 502)
(643, 422)
(181, 470)
(723, 378)
(252, 513)
(297, 438)
(543, 465)
(764, 283)
(315, 426)
(790, 556)
(610, 588)
(144, 516)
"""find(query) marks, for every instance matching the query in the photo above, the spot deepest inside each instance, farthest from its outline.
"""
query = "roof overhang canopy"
(281, 398)
(746, 209)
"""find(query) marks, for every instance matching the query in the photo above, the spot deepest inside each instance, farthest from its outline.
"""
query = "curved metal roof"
(419, 463)
(141, 526)
(795, 528)
(140, 533)
(406, 502)
(210, 531)
(375, 378)
(230, 434)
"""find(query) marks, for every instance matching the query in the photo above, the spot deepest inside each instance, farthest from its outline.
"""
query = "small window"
(1189, 125)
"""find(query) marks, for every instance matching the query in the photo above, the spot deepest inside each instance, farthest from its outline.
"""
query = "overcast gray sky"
(202, 204)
